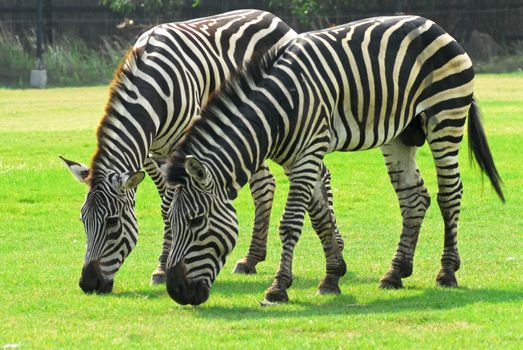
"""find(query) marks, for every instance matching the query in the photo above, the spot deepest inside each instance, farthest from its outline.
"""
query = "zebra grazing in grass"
(163, 82)
(347, 88)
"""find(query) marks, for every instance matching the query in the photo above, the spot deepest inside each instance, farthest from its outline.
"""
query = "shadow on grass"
(429, 299)
(389, 301)
(240, 285)
(245, 285)
(248, 286)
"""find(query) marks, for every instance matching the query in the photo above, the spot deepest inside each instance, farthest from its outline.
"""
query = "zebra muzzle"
(184, 291)
(92, 279)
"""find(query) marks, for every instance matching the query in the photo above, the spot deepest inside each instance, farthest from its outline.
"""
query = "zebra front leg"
(262, 185)
(300, 191)
(324, 223)
(153, 168)
(414, 201)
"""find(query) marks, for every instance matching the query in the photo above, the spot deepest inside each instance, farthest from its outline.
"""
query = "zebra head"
(110, 224)
(204, 229)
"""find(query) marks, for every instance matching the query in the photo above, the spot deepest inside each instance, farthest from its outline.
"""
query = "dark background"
(502, 19)
(486, 29)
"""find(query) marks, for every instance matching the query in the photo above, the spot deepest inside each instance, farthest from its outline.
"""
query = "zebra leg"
(262, 186)
(300, 192)
(414, 200)
(444, 137)
(324, 223)
(326, 180)
(158, 276)
(152, 167)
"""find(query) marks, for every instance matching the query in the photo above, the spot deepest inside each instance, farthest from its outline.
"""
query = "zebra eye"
(112, 221)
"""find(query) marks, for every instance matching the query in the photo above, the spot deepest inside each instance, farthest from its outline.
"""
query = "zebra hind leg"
(414, 200)
(324, 223)
(262, 185)
(447, 132)
(159, 276)
(326, 180)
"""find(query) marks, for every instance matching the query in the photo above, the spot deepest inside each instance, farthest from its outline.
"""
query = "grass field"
(42, 244)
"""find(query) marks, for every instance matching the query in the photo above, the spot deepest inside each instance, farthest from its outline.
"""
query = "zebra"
(388, 82)
(162, 83)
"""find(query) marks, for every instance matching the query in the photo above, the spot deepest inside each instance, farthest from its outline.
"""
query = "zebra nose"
(92, 279)
(201, 292)
(176, 283)
(184, 291)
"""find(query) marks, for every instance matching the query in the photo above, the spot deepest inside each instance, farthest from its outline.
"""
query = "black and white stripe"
(164, 81)
(347, 88)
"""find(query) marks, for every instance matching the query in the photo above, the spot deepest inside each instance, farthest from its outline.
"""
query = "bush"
(69, 61)
(511, 62)
(501, 64)
(15, 62)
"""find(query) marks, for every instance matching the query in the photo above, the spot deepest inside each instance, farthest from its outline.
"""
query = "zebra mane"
(122, 74)
(230, 91)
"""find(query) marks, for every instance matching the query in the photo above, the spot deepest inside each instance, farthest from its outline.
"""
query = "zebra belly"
(349, 134)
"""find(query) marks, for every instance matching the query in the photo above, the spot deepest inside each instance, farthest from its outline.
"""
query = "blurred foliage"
(501, 64)
(68, 60)
(316, 14)
(306, 11)
(154, 8)
(15, 62)
(458, 17)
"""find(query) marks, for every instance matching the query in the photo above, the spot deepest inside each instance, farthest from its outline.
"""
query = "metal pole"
(399, 7)
(40, 36)
(38, 77)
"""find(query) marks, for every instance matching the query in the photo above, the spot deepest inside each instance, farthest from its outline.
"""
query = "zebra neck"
(123, 143)
(232, 147)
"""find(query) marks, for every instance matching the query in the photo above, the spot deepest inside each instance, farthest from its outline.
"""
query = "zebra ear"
(79, 171)
(197, 171)
(131, 180)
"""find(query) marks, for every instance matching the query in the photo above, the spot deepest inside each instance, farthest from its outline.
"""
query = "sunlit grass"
(42, 246)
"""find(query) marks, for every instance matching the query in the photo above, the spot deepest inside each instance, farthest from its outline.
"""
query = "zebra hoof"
(245, 267)
(329, 285)
(158, 277)
(266, 303)
(391, 280)
(275, 295)
(446, 279)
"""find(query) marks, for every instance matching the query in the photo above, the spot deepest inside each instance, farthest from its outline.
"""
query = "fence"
(502, 19)
(89, 21)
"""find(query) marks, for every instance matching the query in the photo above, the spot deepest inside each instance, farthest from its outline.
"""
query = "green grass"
(42, 246)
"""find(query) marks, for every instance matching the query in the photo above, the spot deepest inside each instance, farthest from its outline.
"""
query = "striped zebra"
(389, 82)
(161, 85)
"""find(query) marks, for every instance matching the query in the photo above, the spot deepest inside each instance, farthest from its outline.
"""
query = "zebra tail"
(478, 146)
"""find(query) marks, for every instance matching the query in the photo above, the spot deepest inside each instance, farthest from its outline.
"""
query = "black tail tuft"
(478, 146)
